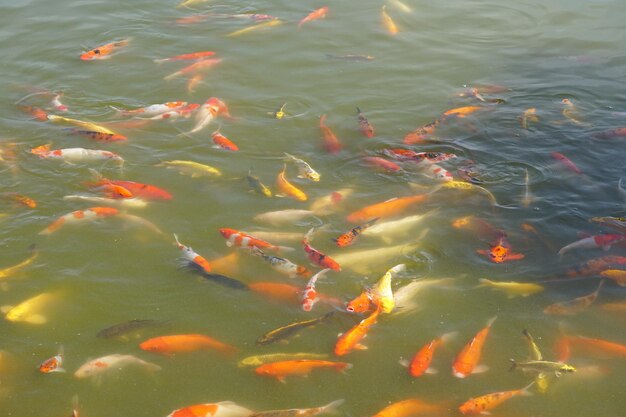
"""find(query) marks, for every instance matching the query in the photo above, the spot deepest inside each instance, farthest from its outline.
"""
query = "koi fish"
(206, 113)
(388, 23)
(598, 241)
(80, 216)
(192, 257)
(350, 236)
(617, 275)
(596, 347)
(268, 24)
(314, 15)
(529, 115)
(360, 304)
(278, 291)
(410, 407)
(365, 126)
(121, 329)
(309, 295)
(466, 362)
(37, 113)
(132, 188)
(479, 226)
(154, 109)
(570, 111)
(500, 251)
(184, 112)
(22, 199)
(527, 198)
(304, 169)
(381, 293)
(389, 230)
(462, 112)
(99, 136)
(330, 203)
(301, 412)
(240, 239)
(288, 188)
(512, 288)
(466, 186)
(7, 272)
(351, 339)
(318, 257)
(282, 217)
(115, 361)
(480, 405)
(535, 354)
(619, 307)
(281, 370)
(30, 310)
(436, 172)
(377, 162)
(258, 360)
(420, 363)
(546, 367)
(613, 133)
(363, 261)
(187, 57)
(194, 169)
(286, 331)
(282, 265)
(193, 82)
(566, 162)
(421, 133)
(405, 297)
(597, 265)
(617, 223)
(128, 202)
(53, 364)
(256, 185)
(387, 208)
(220, 409)
(223, 142)
(331, 142)
(92, 127)
(575, 306)
(469, 173)
(73, 155)
(352, 57)
(56, 103)
(104, 51)
(198, 66)
(181, 343)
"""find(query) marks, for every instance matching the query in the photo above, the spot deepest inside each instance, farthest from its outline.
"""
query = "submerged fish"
(390, 230)
(288, 188)
(410, 407)
(258, 360)
(257, 186)
(480, 405)
(220, 409)
(194, 169)
(283, 217)
(104, 51)
(304, 169)
(529, 115)
(364, 260)
(387, 208)
(575, 306)
(314, 15)
(115, 361)
(182, 343)
(270, 23)
(121, 329)
(8, 271)
(302, 367)
(301, 412)
(291, 329)
(512, 288)
(30, 310)
(547, 367)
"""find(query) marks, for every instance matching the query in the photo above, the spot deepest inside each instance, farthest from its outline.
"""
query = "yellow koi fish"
(29, 311)
(512, 288)
(468, 186)
(381, 293)
(388, 23)
(288, 188)
(194, 169)
(270, 23)
(529, 115)
(92, 127)
(7, 272)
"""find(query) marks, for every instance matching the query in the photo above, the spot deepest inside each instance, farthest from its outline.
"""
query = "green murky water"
(107, 272)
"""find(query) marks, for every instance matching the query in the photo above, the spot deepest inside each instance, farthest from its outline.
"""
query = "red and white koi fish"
(365, 126)
(309, 295)
(187, 57)
(56, 103)
(223, 142)
(184, 112)
(192, 257)
(104, 51)
(202, 65)
(566, 162)
(52, 364)
(210, 110)
(598, 241)
(154, 109)
(467, 360)
(318, 257)
(80, 216)
(115, 361)
(314, 15)
(437, 173)
(331, 142)
(72, 155)
(243, 240)
(221, 409)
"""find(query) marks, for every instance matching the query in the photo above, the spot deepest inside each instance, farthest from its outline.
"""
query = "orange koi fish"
(360, 304)
(409, 408)
(202, 65)
(186, 57)
(378, 162)
(331, 142)
(420, 363)
(221, 409)
(388, 23)
(35, 112)
(240, 239)
(466, 362)
(193, 82)
(309, 295)
(462, 112)
(351, 339)
(575, 306)
(613, 133)
(22, 199)
(181, 343)
(480, 405)
(365, 126)
(500, 251)
(288, 188)
(596, 347)
(421, 133)
(387, 208)
(99, 136)
(479, 226)
(104, 51)
(52, 364)
(136, 189)
(314, 15)
(566, 162)
(223, 142)
(318, 257)
(280, 370)
(350, 236)
(286, 293)
(597, 265)
(79, 216)
(617, 275)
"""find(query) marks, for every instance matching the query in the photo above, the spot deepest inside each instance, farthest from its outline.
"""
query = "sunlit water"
(106, 273)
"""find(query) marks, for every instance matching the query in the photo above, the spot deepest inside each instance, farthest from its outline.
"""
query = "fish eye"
(96, 51)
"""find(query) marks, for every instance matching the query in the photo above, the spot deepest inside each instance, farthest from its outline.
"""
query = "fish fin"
(445, 338)
(404, 362)
(482, 252)
(229, 243)
(484, 413)
(285, 249)
(360, 347)
(6, 309)
(483, 282)
(513, 365)
(332, 407)
(36, 319)
(491, 321)
(281, 379)
(525, 391)
(480, 369)
(431, 371)
(59, 370)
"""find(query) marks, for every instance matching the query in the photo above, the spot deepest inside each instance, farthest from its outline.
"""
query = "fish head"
(226, 233)
(154, 345)
(498, 253)
(567, 368)
(302, 271)
(360, 304)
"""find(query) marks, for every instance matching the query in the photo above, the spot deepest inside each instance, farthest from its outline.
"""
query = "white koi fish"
(117, 361)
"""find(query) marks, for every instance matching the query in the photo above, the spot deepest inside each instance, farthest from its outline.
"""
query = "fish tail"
(483, 282)
(491, 321)
(333, 406)
(308, 235)
(40, 150)
(513, 365)
(445, 338)
(525, 391)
